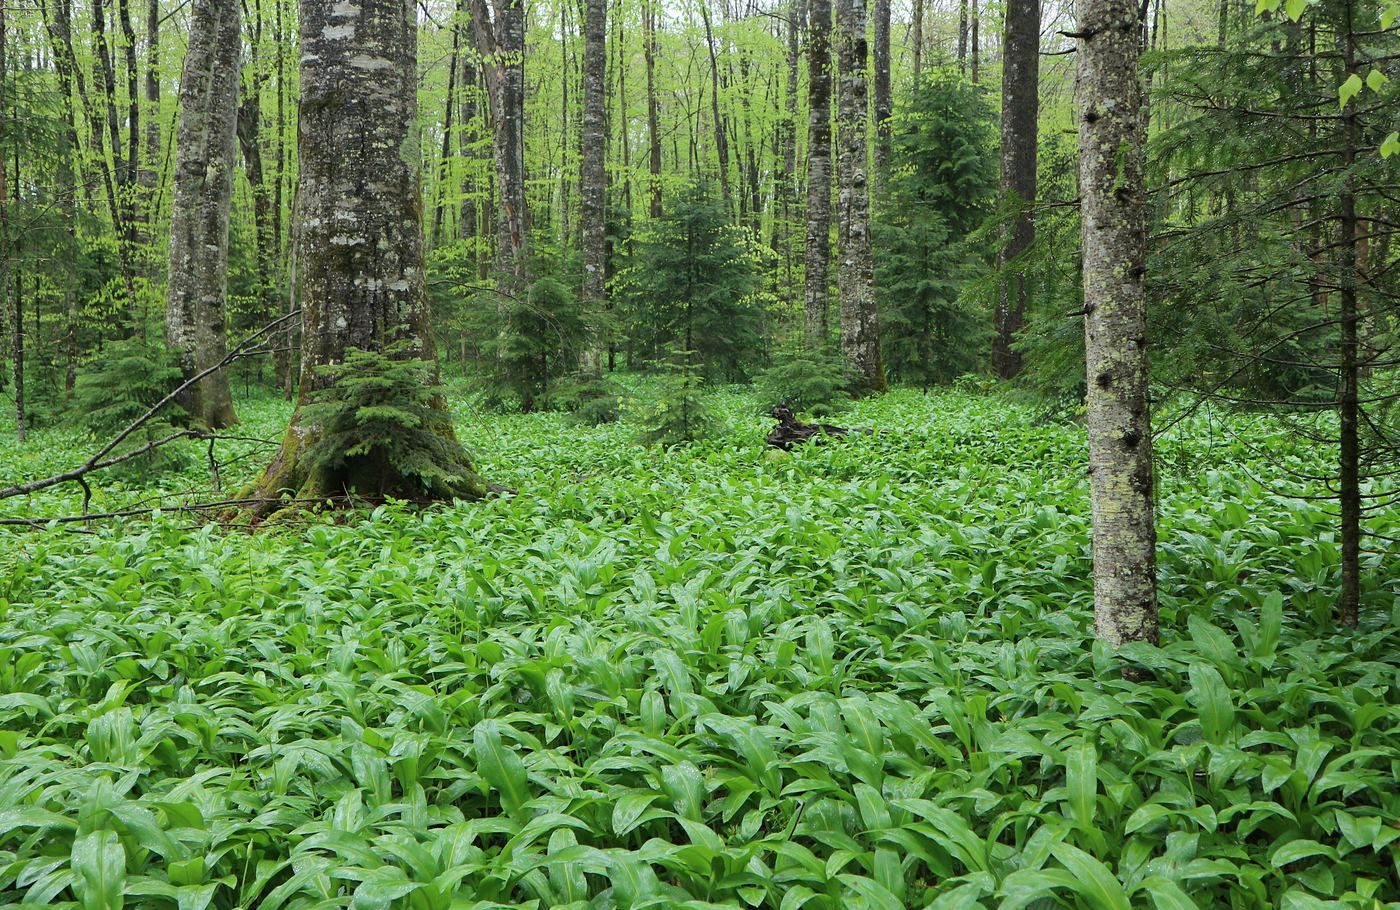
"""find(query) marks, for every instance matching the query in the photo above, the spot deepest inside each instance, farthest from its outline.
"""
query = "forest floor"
(861, 675)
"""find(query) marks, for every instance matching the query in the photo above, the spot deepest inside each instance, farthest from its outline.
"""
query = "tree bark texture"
(593, 186)
(195, 321)
(855, 276)
(1112, 130)
(1020, 105)
(359, 215)
(884, 105)
(817, 254)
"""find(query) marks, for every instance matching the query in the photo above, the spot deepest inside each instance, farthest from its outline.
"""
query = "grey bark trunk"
(593, 186)
(855, 275)
(195, 323)
(1112, 127)
(817, 253)
(884, 105)
(653, 124)
(501, 44)
(359, 218)
(1020, 92)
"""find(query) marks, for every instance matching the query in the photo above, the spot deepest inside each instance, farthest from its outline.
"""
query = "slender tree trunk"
(884, 105)
(286, 340)
(721, 142)
(975, 42)
(565, 121)
(1020, 93)
(149, 171)
(445, 157)
(67, 192)
(917, 38)
(359, 227)
(653, 124)
(1112, 127)
(593, 178)
(817, 252)
(855, 275)
(1349, 411)
(16, 304)
(467, 224)
(135, 208)
(785, 186)
(624, 113)
(962, 36)
(501, 43)
(195, 321)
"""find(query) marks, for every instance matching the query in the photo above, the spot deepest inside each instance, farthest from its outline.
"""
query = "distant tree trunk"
(249, 130)
(286, 339)
(149, 171)
(501, 42)
(975, 42)
(624, 117)
(785, 189)
(962, 36)
(60, 43)
(467, 226)
(721, 142)
(917, 38)
(195, 322)
(1112, 127)
(16, 308)
(884, 106)
(1020, 92)
(135, 208)
(360, 221)
(653, 120)
(855, 275)
(593, 179)
(1349, 409)
(818, 235)
(565, 122)
(445, 156)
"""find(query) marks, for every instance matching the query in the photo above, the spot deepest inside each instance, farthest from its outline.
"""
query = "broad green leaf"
(99, 864)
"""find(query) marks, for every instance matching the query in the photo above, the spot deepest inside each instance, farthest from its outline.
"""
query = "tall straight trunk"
(249, 130)
(1113, 210)
(855, 271)
(67, 189)
(653, 124)
(283, 356)
(817, 242)
(360, 235)
(467, 225)
(148, 173)
(565, 121)
(962, 36)
(133, 122)
(593, 178)
(16, 307)
(206, 155)
(785, 186)
(974, 42)
(884, 105)
(445, 156)
(1349, 409)
(1020, 105)
(917, 38)
(721, 142)
(623, 112)
(500, 40)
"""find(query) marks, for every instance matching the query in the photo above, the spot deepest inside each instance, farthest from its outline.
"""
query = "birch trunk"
(855, 275)
(195, 324)
(359, 217)
(817, 252)
(1112, 128)
(1020, 89)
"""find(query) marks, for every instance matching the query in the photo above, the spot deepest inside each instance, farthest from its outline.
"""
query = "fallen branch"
(99, 459)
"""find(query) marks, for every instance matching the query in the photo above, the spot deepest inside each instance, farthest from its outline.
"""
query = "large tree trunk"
(855, 275)
(1020, 93)
(884, 105)
(1112, 128)
(817, 254)
(593, 181)
(195, 323)
(359, 221)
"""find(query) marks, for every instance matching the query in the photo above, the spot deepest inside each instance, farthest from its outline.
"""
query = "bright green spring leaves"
(858, 676)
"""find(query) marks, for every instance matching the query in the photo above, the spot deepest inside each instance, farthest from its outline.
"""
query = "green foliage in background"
(124, 382)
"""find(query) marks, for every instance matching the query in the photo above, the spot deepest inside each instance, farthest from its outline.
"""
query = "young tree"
(1020, 107)
(206, 155)
(818, 235)
(855, 275)
(1112, 131)
(360, 226)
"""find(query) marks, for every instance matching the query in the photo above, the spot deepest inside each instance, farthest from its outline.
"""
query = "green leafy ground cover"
(859, 676)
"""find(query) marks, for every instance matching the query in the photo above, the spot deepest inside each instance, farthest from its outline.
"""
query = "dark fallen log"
(790, 431)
